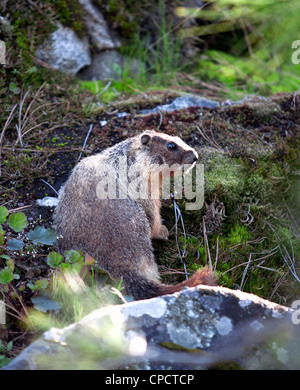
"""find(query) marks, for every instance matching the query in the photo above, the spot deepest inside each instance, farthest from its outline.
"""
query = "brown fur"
(117, 233)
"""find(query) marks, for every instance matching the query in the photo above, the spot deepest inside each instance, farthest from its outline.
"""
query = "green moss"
(239, 234)
(225, 175)
(69, 14)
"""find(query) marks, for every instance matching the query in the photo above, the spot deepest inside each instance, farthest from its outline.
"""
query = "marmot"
(117, 230)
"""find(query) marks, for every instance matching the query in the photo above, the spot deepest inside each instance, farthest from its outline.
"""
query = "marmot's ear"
(145, 139)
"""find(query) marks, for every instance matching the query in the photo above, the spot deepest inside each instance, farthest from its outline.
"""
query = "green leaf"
(64, 266)
(10, 264)
(32, 70)
(117, 68)
(40, 235)
(4, 257)
(14, 245)
(6, 276)
(53, 259)
(9, 346)
(32, 287)
(4, 360)
(17, 222)
(73, 256)
(3, 214)
(14, 88)
(42, 283)
(76, 267)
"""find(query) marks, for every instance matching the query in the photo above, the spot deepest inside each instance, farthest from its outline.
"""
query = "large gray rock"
(64, 51)
(198, 328)
(97, 28)
(104, 66)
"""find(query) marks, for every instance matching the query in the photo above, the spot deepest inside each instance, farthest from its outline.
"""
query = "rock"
(190, 100)
(64, 51)
(183, 102)
(97, 28)
(6, 29)
(197, 328)
(109, 64)
(105, 65)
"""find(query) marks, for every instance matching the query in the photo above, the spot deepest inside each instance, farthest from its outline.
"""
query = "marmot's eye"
(172, 146)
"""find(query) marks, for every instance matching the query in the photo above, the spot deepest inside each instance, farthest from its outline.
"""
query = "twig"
(246, 262)
(160, 120)
(217, 254)
(268, 253)
(277, 286)
(34, 127)
(257, 241)
(54, 150)
(41, 63)
(246, 37)
(85, 141)
(183, 253)
(206, 245)
(205, 136)
(19, 126)
(9, 119)
(19, 208)
(33, 111)
(103, 89)
(49, 185)
(136, 90)
(171, 271)
(212, 135)
(22, 120)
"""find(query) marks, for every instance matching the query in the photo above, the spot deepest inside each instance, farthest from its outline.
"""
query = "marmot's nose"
(190, 157)
(194, 157)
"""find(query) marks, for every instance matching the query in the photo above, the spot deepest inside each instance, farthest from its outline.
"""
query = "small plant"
(71, 285)
(13, 247)
(4, 352)
(77, 291)
(72, 260)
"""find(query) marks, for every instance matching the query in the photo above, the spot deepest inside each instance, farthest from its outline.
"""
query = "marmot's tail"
(143, 288)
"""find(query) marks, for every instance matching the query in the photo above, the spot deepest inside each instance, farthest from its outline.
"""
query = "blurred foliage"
(249, 41)
(267, 26)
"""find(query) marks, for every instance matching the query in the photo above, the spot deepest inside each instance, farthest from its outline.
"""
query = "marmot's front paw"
(163, 234)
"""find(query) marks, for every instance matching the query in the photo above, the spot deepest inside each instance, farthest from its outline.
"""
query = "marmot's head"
(165, 149)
